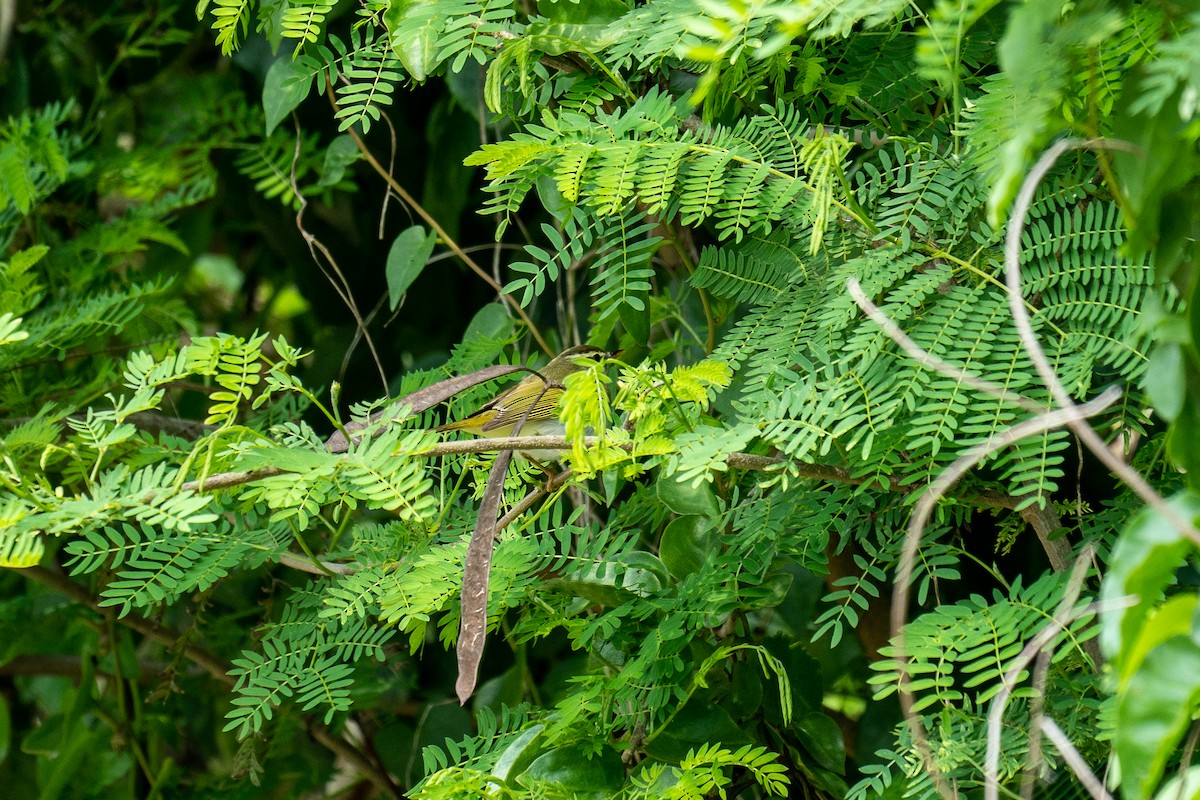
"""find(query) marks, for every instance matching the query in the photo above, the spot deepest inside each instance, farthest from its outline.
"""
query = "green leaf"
(582, 12)
(517, 757)
(417, 44)
(821, 737)
(1154, 710)
(1030, 56)
(286, 85)
(1166, 380)
(612, 583)
(407, 257)
(645, 573)
(341, 153)
(554, 39)
(686, 544)
(698, 723)
(1143, 561)
(1173, 618)
(1181, 441)
(686, 498)
(746, 689)
(575, 772)
(490, 322)
(635, 316)
(1161, 162)
(288, 459)
(1185, 786)
(551, 197)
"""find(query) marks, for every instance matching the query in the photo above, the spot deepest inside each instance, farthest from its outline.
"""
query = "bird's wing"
(509, 412)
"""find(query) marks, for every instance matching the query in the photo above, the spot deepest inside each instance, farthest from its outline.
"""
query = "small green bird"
(538, 397)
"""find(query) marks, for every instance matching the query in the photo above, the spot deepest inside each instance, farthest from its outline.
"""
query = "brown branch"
(746, 461)
(527, 502)
(1037, 647)
(1045, 524)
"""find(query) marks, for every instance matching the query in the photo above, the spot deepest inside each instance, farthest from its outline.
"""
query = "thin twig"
(315, 245)
(1039, 681)
(1185, 760)
(1021, 320)
(916, 527)
(1063, 615)
(927, 359)
(322, 568)
(411, 202)
(527, 502)
(1074, 760)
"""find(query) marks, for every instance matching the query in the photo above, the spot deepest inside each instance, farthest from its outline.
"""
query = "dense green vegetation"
(887, 491)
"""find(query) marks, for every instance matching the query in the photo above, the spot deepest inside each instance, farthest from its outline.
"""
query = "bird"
(533, 403)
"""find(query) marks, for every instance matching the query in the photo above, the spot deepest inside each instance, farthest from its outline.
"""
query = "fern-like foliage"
(34, 158)
(371, 73)
(617, 250)
(303, 19)
(305, 659)
(231, 20)
(713, 176)
(970, 645)
(761, 269)
(747, 179)
(848, 391)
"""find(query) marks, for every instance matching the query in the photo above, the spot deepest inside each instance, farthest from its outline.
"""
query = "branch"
(1043, 520)
(1074, 760)
(1063, 616)
(1045, 524)
(338, 279)
(744, 461)
(927, 359)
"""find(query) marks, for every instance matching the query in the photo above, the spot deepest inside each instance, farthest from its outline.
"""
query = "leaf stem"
(450, 242)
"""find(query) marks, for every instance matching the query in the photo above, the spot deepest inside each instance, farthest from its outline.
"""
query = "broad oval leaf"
(407, 257)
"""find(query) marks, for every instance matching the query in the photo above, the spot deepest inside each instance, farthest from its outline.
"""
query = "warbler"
(538, 394)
